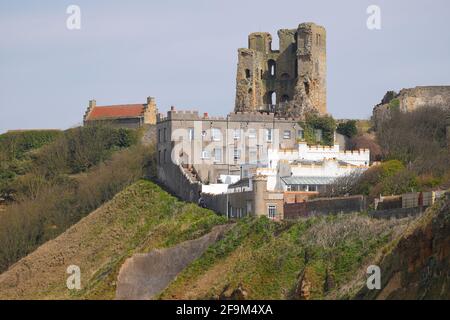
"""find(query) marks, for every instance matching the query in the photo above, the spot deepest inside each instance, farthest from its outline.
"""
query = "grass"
(140, 218)
(266, 258)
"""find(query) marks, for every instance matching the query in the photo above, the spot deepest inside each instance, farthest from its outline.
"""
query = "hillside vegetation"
(57, 180)
(138, 219)
(314, 258)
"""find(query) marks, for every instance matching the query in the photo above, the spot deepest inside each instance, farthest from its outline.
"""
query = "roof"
(241, 183)
(308, 180)
(116, 111)
(321, 162)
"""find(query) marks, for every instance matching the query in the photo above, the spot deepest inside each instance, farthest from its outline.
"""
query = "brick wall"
(324, 206)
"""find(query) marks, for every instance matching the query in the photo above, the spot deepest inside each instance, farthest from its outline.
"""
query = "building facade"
(215, 146)
(124, 116)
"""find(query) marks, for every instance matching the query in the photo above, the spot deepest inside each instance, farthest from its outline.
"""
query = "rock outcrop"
(143, 276)
(418, 266)
(411, 99)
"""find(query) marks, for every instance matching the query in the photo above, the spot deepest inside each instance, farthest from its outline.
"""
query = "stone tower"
(288, 81)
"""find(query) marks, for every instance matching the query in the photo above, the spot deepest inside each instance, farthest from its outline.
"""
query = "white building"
(307, 168)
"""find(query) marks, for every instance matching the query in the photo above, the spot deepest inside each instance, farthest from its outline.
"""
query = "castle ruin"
(289, 81)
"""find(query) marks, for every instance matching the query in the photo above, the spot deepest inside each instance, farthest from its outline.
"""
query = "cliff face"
(411, 99)
(418, 266)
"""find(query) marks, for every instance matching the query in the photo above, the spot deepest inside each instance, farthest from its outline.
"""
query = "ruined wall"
(411, 99)
(288, 81)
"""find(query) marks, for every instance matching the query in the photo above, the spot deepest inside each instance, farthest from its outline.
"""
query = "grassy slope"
(138, 219)
(266, 258)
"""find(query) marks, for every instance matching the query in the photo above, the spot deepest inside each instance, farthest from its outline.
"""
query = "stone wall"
(324, 206)
(412, 99)
(176, 180)
(288, 81)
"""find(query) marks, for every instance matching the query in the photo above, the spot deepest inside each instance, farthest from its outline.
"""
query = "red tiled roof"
(117, 111)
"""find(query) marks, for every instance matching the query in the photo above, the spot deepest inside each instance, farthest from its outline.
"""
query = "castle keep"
(288, 81)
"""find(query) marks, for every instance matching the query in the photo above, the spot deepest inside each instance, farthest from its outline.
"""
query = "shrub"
(347, 128)
(43, 215)
(417, 138)
(315, 122)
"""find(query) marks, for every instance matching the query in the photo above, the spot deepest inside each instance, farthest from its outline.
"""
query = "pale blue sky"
(185, 53)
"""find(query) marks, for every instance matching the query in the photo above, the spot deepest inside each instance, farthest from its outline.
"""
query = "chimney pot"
(172, 108)
(205, 115)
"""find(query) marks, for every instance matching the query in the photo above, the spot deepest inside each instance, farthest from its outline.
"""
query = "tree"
(347, 128)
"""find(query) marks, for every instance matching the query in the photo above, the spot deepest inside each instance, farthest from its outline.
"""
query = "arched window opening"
(272, 68)
(307, 88)
(272, 98)
(247, 73)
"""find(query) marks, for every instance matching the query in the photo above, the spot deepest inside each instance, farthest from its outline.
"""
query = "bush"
(70, 152)
(81, 148)
(315, 122)
(366, 141)
(347, 128)
(14, 144)
(45, 214)
(417, 138)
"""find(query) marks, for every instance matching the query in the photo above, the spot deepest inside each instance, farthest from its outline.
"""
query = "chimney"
(92, 104)
(172, 108)
(205, 115)
(151, 101)
(150, 111)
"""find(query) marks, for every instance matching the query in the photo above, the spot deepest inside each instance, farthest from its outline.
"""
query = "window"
(284, 98)
(312, 188)
(159, 156)
(237, 134)
(215, 134)
(247, 73)
(165, 155)
(272, 67)
(272, 97)
(272, 211)
(249, 207)
(191, 134)
(287, 134)
(269, 135)
(218, 154)
(159, 135)
(252, 133)
(205, 154)
(237, 154)
(252, 155)
(301, 134)
(165, 135)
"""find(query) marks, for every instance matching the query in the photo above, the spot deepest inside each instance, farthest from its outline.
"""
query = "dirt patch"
(143, 276)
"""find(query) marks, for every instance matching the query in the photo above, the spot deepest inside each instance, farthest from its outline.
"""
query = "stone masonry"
(289, 81)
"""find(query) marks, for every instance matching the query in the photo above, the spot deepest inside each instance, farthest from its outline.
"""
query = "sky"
(184, 53)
